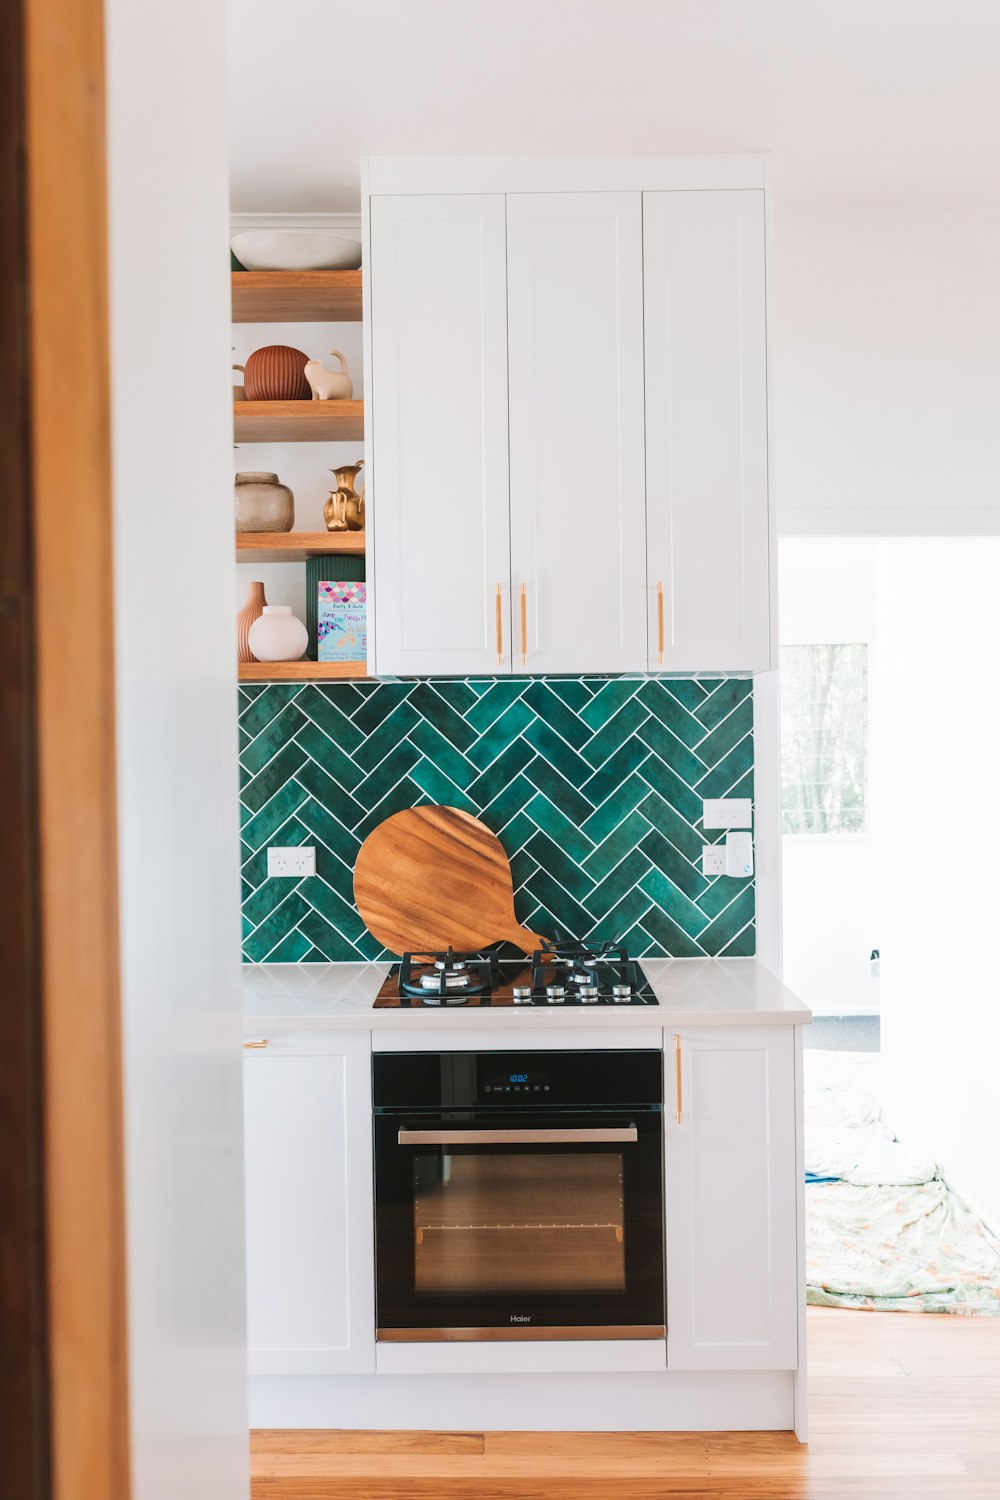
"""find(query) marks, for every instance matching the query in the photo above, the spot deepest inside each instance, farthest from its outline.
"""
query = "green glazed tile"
(405, 793)
(389, 733)
(279, 731)
(728, 923)
(545, 815)
(609, 697)
(444, 757)
(560, 866)
(430, 705)
(617, 884)
(378, 705)
(258, 830)
(744, 944)
(685, 763)
(630, 757)
(627, 836)
(615, 808)
(722, 700)
(719, 781)
(436, 786)
(615, 732)
(668, 937)
(279, 769)
(503, 732)
(486, 787)
(664, 706)
(666, 896)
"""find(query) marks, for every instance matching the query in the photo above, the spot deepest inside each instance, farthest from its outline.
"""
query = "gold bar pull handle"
(677, 1076)
(499, 626)
(247, 1046)
(524, 623)
(659, 622)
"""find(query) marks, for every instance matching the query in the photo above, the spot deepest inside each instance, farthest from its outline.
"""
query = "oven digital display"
(517, 1083)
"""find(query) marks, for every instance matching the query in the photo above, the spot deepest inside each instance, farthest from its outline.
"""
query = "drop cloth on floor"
(887, 1234)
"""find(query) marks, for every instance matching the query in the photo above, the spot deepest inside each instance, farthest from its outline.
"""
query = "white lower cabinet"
(731, 1227)
(309, 1211)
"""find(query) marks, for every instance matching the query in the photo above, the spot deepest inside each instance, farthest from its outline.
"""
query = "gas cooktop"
(557, 974)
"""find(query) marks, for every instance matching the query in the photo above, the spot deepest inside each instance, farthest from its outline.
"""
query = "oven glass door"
(519, 1227)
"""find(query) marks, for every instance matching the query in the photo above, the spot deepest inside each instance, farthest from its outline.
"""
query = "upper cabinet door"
(706, 431)
(577, 498)
(439, 395)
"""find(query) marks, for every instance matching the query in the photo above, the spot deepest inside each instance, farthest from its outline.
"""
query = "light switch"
(727, 812)
(292, 862)
(739, 854)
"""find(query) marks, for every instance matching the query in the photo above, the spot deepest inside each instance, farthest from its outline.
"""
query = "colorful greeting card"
(341, 621)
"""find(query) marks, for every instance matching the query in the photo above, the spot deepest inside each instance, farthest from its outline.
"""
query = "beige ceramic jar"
(263, 503)
(278, 635)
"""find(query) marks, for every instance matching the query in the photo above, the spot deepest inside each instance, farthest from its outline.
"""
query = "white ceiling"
(885, 104)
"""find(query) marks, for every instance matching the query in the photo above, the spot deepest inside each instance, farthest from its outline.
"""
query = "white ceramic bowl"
(295, 250)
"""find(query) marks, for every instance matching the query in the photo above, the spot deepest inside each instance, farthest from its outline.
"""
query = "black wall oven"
(518, 1195)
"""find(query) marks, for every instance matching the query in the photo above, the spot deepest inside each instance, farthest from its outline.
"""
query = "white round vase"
(278, 635)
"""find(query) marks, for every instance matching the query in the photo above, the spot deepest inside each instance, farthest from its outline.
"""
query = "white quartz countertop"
(691, 992)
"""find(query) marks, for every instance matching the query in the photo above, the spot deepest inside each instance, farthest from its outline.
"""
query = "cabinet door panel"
(706, 430)
(732, 1286)
(310, 1267)
(576, 430)
(439, 393)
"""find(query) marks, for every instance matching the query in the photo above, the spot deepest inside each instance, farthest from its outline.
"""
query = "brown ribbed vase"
(276, 373)
(252, 610)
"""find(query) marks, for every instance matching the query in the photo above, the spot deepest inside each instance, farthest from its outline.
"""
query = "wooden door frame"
(60, 1072)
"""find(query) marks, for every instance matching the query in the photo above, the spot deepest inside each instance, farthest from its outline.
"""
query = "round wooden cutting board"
(429, 878)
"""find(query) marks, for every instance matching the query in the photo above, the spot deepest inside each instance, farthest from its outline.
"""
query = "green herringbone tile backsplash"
(594, 786)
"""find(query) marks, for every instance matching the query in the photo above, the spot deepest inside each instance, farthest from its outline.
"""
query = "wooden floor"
(902, 1406)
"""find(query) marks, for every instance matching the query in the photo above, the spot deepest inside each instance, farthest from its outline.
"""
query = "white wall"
(939, 732)
(887, 370)
(177, 754)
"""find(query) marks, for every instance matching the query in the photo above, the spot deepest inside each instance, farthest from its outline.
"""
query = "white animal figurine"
(329, 385)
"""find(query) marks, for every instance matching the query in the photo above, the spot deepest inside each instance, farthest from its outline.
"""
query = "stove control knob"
(556, 994)
(522, 995)
(621, 994)
(588, 994)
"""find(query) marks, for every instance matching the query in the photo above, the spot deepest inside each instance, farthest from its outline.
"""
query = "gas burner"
(585, 974)
(447, 978)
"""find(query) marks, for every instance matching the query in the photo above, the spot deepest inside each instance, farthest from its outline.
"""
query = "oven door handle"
(515, 1137)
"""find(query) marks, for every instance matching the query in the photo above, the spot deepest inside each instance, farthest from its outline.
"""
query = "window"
(824, 738)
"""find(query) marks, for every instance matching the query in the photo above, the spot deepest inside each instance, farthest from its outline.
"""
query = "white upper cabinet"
(706, 432)
(567, 420)
(732, 1277)
(577, 501)
(438, 380)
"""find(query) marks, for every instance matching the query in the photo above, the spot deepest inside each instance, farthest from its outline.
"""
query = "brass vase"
(345, 509)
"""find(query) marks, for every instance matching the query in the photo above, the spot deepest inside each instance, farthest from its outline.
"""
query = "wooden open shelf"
(296, 296)
(298, 421)
(296, 546)
(301, 671)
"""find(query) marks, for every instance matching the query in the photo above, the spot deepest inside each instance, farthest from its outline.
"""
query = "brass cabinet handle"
(248, 1045)
(524, 623)
(659, 622)
(499, 626)
(677, 1076)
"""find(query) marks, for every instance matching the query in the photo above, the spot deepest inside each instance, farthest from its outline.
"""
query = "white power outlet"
(713, 859)
(293, 862)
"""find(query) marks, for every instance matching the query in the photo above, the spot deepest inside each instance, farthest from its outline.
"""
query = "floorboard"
(901, 1408)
